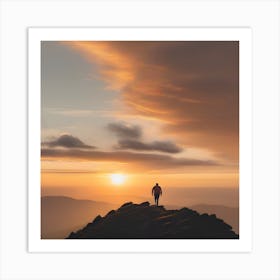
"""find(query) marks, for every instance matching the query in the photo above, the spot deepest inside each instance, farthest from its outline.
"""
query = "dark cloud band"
(161, 146)
(156, 161)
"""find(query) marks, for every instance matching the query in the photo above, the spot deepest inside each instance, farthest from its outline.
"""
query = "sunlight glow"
(117, 179)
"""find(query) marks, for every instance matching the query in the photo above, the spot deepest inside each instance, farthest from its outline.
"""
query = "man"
(156, 191)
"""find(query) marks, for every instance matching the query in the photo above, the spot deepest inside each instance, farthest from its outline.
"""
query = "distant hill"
(61, 215)
(229, 214)
(139, 221)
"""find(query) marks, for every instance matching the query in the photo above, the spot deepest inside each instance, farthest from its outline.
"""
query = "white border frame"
(243, 35)
(262, 16)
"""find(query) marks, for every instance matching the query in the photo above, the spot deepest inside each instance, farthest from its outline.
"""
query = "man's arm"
(153, 190)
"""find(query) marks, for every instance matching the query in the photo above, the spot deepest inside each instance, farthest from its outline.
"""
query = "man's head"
(156, 184)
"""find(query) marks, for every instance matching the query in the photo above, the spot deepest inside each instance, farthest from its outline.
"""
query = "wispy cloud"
(155, 161)
(74, 113)
(68, 171)
(192, 86)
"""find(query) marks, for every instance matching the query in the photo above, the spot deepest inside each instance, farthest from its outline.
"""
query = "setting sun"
(117, 179)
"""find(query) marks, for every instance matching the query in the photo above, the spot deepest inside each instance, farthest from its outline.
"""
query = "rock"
(126, 204)
(97, 219)
(110, 213)
(146, 203)
(142, 221)
(71, 235)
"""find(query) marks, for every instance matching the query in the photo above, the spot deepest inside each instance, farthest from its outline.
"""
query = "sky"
(119, 116)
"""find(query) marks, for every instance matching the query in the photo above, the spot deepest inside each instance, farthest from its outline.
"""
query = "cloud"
(123, 130)
(192, 87)
(68, 171)
(68, 141)
(130, 138)
(152, 161)
(161, 146)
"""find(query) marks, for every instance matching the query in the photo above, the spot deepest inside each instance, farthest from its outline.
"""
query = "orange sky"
(162, 112)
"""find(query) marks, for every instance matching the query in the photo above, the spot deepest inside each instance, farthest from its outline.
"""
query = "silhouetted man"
(156, 191)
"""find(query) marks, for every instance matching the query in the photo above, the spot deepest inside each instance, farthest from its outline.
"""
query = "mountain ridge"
(229, 214)
(143, 221)
(62, 214)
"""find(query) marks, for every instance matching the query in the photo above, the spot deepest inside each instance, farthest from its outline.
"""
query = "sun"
(117, 179)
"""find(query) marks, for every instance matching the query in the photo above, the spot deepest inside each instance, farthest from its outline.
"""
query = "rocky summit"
(145, 221)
